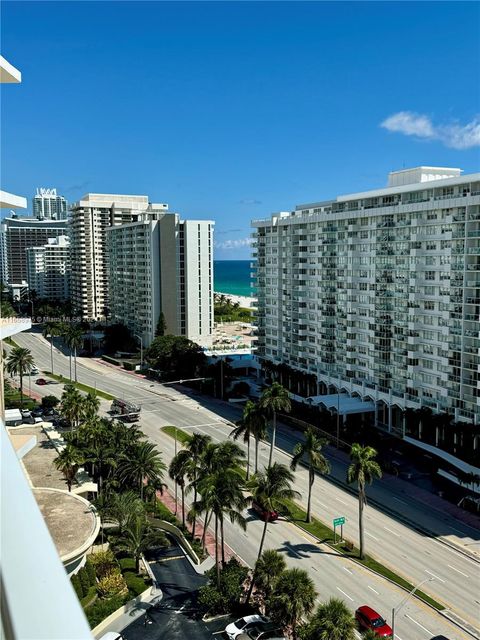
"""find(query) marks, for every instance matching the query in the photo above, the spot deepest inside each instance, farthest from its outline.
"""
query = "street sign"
(338, 521)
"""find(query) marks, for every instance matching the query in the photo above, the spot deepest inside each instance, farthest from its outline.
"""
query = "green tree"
(118, 337)
(196, 447)
(332, 620)
(275, 398)
(19, 362)
(175, 356)
(268, 569)
(68, 462)
(143, 462)
(161, 325)
(252, 424)
(139, 536)
(311, 448)
(363, 469)
(293, 598)
(272, 489)
(121, 507)
(50, 402)
(73, 335)
(179, 469)
(72, 405)
(51, 329)
(91, 405)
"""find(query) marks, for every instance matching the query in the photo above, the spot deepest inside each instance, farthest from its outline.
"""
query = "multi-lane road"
(454, 575)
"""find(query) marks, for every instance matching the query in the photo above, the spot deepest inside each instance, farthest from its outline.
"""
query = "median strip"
(324, 534)
(79, 385)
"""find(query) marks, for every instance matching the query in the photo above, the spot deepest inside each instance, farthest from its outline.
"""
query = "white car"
(242, 625)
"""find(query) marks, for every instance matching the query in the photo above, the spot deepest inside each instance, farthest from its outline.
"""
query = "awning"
(342, 403)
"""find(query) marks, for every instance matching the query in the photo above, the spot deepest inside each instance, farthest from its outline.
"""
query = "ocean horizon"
(232, 276)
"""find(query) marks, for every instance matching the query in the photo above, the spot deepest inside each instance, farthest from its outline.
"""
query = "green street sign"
(338, 521)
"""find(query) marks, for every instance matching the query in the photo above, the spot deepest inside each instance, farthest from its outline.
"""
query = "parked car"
(242, 625)
(34, 371)
(270, 516)
(32, 420)
(367, 618)
(41, 381)
(112, 635)
(268, 631)
(26, 413)
(37, 412)
(438, 638)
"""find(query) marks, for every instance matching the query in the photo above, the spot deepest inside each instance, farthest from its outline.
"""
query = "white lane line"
(372, 589)
(432, 574)
(394, 532)
(347, 570)
(458, 570)
(420, 625)
(345, 594)
(323, 505)
(340, 500)
(370, 536)
(403, 502)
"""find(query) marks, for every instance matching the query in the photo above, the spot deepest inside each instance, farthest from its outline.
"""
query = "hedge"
(101, 609)
(111, 360)
(136, 584)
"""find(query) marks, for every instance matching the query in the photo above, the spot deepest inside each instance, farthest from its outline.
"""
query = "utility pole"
(404, 601)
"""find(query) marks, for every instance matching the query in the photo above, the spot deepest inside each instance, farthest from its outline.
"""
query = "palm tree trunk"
(182, 489)
(70, 363)
(274, 433)
(262, 541)
(217, 564)
(141, 489)
(360, 521)
(51, 351)
(208, 517)
(75, 358)
(21, 389)
(311, 478)
(194, 502)
(223, 542)
(256, 453)
(248, 457)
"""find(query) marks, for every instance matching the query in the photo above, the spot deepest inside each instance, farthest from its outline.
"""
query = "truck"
(124, 410)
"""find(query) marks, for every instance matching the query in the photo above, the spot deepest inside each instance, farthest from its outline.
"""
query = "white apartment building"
(46, 204)
(48, 269)
(90, 219)
(162, 265)
(378, 293)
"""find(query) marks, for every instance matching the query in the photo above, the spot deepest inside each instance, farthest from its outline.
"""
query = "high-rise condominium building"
(48, 269)
(378, 293)
(90, 219)
(162, 266)
(19, 234)
(47, 205)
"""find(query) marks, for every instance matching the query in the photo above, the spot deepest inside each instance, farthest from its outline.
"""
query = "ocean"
(232, 276)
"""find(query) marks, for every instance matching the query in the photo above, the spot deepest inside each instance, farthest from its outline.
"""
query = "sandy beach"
(243, 301)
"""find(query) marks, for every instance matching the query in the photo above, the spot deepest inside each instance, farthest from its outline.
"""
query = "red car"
(367, 618)
(265, 515)
(41, 381)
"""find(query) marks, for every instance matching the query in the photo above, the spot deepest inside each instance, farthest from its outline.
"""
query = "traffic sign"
(339, 521)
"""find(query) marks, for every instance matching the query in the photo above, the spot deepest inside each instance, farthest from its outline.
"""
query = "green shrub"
(77, 585)
(164, 513)
(91, 573)
(129, 366)
(111, 360)
(101, 609)
(84, 580)
(228, 596)
(103, 562)
(127, 564)
(136, 584)
(211, 600)
(111, 584)
(49, 402)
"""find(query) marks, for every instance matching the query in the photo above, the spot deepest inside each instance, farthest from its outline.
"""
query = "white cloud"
(421, 126)
(234, 244)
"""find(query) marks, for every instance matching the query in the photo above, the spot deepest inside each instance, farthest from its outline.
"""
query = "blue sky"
(233, 110)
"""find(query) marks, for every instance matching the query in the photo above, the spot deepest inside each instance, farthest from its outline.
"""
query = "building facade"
(48, 269)
(47, 205)
(19, 234)
(377, 294)
(162, 265)
(90, 219)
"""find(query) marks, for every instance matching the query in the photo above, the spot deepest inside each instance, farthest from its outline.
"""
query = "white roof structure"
(342, 403)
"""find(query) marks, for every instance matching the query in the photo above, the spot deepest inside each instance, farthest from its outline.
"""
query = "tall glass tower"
(46, 204)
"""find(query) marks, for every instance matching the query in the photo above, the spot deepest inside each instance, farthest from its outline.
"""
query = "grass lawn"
(80, 386)
(12, 398)
(182, 436)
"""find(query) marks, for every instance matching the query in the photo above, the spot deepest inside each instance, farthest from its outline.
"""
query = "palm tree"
(68, 462)
(121, 507)
(253, 423)
(20, 361)
(91, 405)
(196, 448)
(311, 447)
(293, 598)
(51, 329)
(272, 489)
(72, 405)
(178, 470)
(139, 536)
(268, 568)
(363, 469)
(143, 462)
(74, 339)
(332, 620)
(273, 399)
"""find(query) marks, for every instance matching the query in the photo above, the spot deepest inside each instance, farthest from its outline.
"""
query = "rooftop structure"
(46, 204)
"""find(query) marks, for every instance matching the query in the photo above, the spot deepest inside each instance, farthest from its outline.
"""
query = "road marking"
(417, 623)
(340, 500)
(347, 570)
(181, 608)
(323, 505)
(454, 529)
(345, 594)
(170, 558)
(458, 570)
(372, 589)
(394, 532)
(403, 502)
(370, 536)
(432, 574)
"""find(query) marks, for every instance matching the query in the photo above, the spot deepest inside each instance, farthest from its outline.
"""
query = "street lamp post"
(404, 601)
(141, 348)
